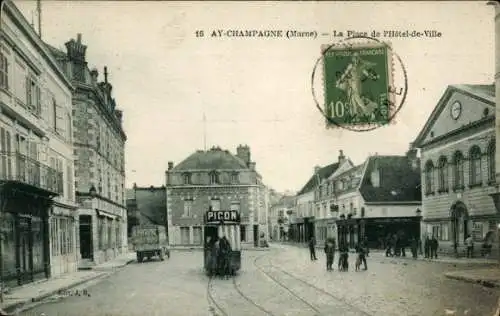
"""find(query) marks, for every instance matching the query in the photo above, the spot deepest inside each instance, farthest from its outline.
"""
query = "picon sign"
(222, 216)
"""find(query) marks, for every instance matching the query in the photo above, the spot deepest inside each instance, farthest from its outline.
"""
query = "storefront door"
(25, 255)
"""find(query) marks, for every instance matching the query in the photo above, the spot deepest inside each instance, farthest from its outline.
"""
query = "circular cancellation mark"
(358, 83)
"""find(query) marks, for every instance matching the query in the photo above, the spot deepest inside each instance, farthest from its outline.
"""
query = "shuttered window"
(4, 71)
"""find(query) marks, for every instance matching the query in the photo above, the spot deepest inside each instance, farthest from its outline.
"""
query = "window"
(215, 204)
(491, 162)
(458, 170)
(69, 127)
(214, 178)
(184, 235)
(4, 71)
(188, 205)
(187, 178)
(235, 206)
(118, 234)
(69, 180)
(475, 166)
(445, 232)
(100, 231)
(110, 232)
(234, 178)
(54, 114)
(197, 240)
(443, 174)
(429, 177)
(33, 95)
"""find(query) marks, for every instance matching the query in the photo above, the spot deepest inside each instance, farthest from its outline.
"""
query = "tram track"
(311, 306)
(213, 302)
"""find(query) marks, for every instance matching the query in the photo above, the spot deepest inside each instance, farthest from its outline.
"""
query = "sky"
(257, 91)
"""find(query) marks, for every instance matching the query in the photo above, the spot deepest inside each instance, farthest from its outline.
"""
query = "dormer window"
(234, 178)
(187, 178)
(214, 178)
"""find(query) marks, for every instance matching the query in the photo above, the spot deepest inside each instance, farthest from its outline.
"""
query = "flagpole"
(204, 131)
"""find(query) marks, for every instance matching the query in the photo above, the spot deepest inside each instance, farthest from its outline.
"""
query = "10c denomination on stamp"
(357, 81)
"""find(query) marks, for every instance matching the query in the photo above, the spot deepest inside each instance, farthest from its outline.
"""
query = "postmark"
(359, 91)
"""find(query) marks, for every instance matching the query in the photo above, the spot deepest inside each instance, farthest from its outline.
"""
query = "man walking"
(312, 250)
(330, 253)
(414, 247)
(434, 247)
(361, 250)
(470, 246)
(427, 247)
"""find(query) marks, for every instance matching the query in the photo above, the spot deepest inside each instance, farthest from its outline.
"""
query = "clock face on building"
(456, 110)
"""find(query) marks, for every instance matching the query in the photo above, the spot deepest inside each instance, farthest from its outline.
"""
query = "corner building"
(457, 145)
(38, 217)
(214, 178)
(99, 142)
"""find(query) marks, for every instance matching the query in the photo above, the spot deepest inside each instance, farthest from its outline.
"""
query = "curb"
(24, 305)
(15, 306)
(485, 283)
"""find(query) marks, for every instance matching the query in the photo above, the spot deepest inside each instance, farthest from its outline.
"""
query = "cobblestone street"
(282, 281)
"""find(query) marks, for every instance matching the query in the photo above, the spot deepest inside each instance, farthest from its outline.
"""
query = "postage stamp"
(357, 82)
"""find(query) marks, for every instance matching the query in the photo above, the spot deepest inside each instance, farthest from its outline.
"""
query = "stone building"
(215, 178)
(99, 141)
(457, 145)
(38, 217)
(302, 219)
(279, 217)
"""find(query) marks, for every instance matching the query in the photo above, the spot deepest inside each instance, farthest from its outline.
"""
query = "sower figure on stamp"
(350, 81)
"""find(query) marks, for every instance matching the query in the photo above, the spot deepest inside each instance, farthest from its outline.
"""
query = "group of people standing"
(330, 248)
(218, 252)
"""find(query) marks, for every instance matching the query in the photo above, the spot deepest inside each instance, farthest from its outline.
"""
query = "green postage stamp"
(357, 82)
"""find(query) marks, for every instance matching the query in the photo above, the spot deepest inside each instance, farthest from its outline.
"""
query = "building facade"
(457, 146)
(99, 145)
(38, 210)
(303, 220)
(280, 217)
(218, 179)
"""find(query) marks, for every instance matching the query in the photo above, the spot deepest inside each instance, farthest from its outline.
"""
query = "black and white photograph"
(234, 158)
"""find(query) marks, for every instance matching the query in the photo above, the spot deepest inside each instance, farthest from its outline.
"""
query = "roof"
(315, 179)
(215, 158)
(287, 200)
(485, 93)
(399, 182)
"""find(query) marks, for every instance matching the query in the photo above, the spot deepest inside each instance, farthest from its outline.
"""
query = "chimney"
(243, 152)
(94, 74)
(170, 165)
(76, 50)
(341, 156)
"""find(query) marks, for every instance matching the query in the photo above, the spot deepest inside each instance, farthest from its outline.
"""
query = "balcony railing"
(18, 167)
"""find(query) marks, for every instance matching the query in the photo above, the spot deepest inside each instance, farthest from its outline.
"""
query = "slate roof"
(323, 173)
(398, 181)
(215, 159)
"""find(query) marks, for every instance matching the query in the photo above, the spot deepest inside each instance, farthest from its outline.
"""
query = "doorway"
(211, 232)
(459, 220)
(256, 235)
(86, 245)
(25, 255)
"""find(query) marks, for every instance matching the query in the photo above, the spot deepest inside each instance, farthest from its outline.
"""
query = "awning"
(105, 214)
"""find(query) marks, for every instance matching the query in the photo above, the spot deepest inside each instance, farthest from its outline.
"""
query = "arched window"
(491, 162)
(429, 177)
(443, 174)
(458, 170)
(475, 165)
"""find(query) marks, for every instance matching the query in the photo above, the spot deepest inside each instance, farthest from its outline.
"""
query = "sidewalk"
(20, 298)
(489, 277)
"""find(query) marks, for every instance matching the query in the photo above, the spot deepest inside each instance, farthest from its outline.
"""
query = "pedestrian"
(388, 245)
(365, 246)
(361, 251)
(414, 247)
(470, 246)
(330, 253)
(344, 257)
(312, 249)
(214, 257)
(434, 247)
(225, 256)
(403, 244)
(427, 247)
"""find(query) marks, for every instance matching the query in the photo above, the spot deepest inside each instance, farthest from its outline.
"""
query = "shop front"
(349, 230)
(377, 230)
(25, 242)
